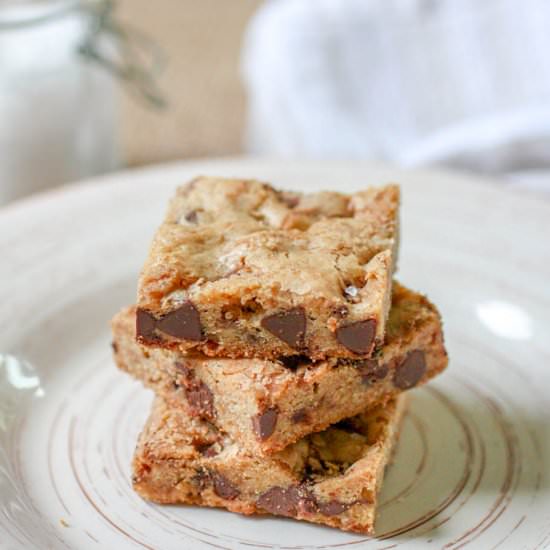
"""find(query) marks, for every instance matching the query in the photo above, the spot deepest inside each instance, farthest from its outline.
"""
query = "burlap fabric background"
(201, 39)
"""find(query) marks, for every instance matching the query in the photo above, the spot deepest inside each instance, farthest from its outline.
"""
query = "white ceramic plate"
(472, 467)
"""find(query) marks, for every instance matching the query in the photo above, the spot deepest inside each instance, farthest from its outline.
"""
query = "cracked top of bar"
(241, 269)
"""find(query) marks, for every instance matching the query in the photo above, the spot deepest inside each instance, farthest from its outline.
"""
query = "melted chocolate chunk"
(308, 504)
(114, 347)
(357, 337)
(145, 326)
(223, 487)
(184, 323)
(410, 371)
(289, 326)
(372, 372)
(280, 501)
(200, 399)
(301, 415)
(297, 499)
(264, 423)
(199, 396)
(332, 508)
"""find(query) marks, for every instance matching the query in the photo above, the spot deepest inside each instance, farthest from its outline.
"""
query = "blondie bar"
(332, 477)
(239, 269)
(264, 405)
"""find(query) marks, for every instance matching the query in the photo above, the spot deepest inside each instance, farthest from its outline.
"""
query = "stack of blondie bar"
(279, 347)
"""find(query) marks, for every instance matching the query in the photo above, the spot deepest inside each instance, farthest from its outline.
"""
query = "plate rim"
(119, 177)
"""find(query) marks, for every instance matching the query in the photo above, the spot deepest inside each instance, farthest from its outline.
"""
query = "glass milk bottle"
(57, 109)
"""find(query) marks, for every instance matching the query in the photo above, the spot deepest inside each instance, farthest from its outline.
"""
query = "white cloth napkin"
(462, 83)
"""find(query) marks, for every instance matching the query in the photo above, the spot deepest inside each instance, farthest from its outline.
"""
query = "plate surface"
(472, 466)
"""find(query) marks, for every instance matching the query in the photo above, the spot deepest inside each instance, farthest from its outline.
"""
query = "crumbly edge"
(320, 394)
(168, 469)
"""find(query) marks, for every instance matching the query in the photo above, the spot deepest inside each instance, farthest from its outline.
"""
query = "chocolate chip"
(145, 326)
(332, 508)
(410, 371)
(200, 399)
(264, 423)
(199, 396)
(292, 362)
(372, 372)
(299, 416)
(358, 337)
(191, 217)
(307, 504)
(183, 322)
(290, 501)
(223, 487)
(114, 347)
(280, 501)
(289, 326)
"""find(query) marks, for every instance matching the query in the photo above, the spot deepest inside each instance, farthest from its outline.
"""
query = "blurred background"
(92, 86)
